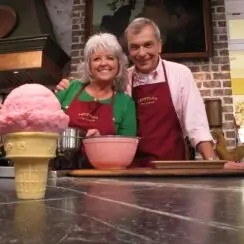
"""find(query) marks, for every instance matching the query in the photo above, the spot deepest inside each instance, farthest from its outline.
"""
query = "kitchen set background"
(221, 76)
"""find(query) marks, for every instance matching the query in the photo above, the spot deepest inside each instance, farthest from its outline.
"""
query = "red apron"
(158, 124)
(90, 115)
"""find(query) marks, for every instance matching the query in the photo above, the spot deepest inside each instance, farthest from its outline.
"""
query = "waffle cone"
(30, 177)
(30, 152)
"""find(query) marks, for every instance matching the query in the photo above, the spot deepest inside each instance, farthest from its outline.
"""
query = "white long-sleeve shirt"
(187, 100)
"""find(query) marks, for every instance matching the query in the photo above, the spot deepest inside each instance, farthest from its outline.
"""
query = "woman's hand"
(93, 132)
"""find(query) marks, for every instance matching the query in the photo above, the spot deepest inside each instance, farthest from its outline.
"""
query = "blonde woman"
(96, 102)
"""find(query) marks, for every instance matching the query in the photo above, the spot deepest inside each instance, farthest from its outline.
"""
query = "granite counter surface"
(126, 210)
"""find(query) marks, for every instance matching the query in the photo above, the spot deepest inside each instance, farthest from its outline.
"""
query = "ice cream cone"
(30, 153)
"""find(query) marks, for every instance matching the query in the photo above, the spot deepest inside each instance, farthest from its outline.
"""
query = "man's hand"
(206, 149)
(62, 85)
(93, 132)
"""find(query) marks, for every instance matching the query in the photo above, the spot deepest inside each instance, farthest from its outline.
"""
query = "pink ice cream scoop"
(32, 107)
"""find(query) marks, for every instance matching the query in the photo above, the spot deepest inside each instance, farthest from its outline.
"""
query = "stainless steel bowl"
(70, 139)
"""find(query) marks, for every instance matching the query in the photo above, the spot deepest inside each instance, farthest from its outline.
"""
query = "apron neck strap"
(113, 95)
(165, 74)
(80, 91)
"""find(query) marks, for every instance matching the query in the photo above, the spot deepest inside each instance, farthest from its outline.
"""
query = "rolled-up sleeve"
(194, 115)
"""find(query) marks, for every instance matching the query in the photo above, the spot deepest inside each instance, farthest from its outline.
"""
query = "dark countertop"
(126, 210)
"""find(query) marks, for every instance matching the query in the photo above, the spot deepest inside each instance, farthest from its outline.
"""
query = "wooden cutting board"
(189, 164)
(155, 172)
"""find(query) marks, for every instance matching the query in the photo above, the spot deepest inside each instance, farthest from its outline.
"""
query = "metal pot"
(70, 139)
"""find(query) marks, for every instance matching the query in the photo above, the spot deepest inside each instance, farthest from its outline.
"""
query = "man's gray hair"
(110, 43)
(137, 24)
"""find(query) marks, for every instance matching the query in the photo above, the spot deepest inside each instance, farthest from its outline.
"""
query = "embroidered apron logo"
(147, 100)
(88, 117)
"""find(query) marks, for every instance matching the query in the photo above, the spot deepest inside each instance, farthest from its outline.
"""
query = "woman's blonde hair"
(110, 43)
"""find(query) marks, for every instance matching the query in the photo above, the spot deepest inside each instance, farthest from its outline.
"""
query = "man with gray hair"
(168, 102)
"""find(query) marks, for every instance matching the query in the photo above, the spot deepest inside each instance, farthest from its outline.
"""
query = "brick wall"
(212, 75)
(78, 33)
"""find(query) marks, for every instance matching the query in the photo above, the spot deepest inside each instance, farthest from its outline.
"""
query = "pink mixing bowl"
(110, 152)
